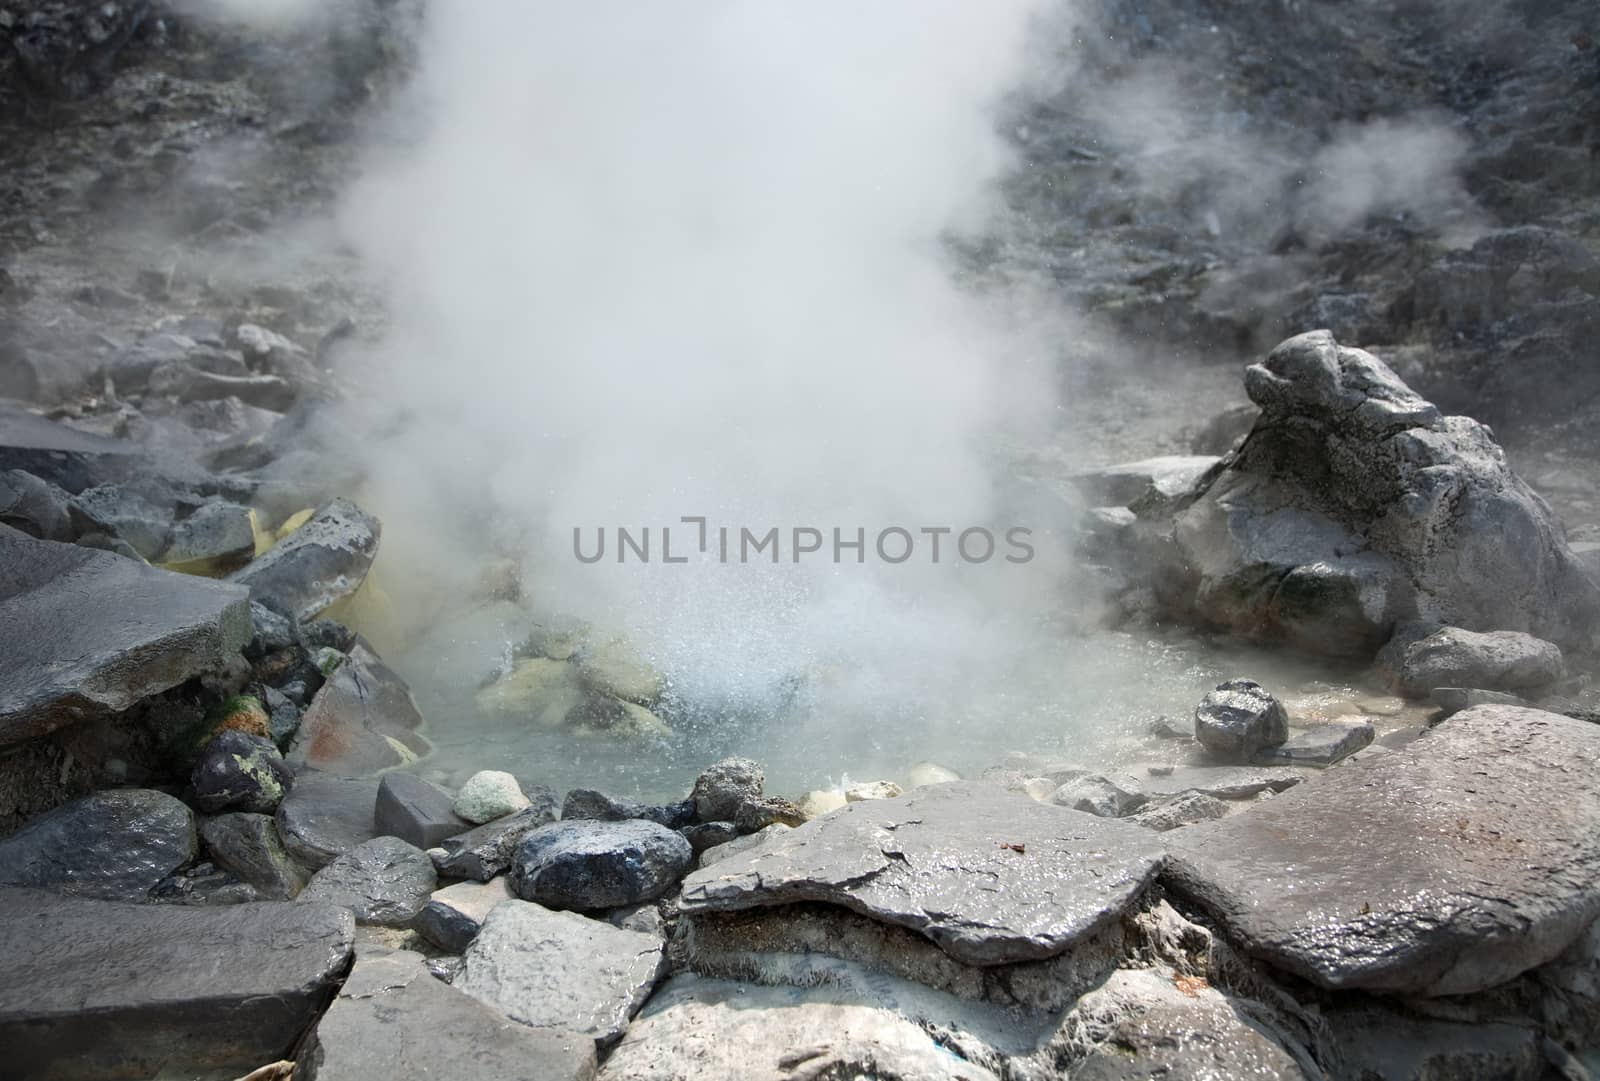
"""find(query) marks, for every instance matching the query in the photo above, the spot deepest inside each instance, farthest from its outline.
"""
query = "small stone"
(239, 713)
(239, 772)
(594, 865)
(415, 810)
(1104, 795)
(646, 919)
(114, 845)
(872, 790)
(248, 845)
(1184, 809)
(489, 794)
(710, 834)
(482, 853)
(1239, 718)
(452, 917)
(1320, 746)
(384, 881)
(741, 844)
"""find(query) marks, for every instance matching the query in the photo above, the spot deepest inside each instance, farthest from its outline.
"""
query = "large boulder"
(114, 845)
(1354, 505)
(95, 989)
(1444, 868)
(86, 633)
(1495, 661)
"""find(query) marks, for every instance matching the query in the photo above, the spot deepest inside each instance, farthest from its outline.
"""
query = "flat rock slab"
(454, 915)
(1444, 868)
(392, 1020)
(84, 633)
(325, 816)
(989, 876)
(115, 845)
(561, 970)
(1320, 746)
(1225, 782)
(486, 851)
(698, 1029)
(362, 720)
(415, 810)
(323, 561)
(96, 989)
(383, 881)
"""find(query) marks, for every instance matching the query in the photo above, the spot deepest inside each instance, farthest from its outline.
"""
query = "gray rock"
(482, 853)
(84, 634)
(1153, 479)
(937, 861)
(321, 562)
(1320, 746)
(591, 865)
(362, 720)
(324, 816)
(415, 810)
(248, 846)
(1443, 868)
(1354, 505)
(561, 970)
(489, 794)
(1183, 809)
(34, 506)
(138, 990)
(1165, 727)
(453, 916)
(384, 881)
(216, 538)
(269, 631)
(697, 1029)
(645, 919)
(239, 772)
(1452, 700)
(1225, 782)
(283, 716)
(392, 1019)
(1105, 795)
(116, 845)
(1387, 1043)
(741, 844)
(587, 803)
(204, 884)
(1238, 719)
(1496, 661)
(708, 835)
(188, 383)
(722, 790)
(123, 513)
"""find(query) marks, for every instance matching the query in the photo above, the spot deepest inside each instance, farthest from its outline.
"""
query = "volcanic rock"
(489, 794)
(592, 865)
(248, 845)
(323, 561)
(453, 916)
(482, 853)
(384, 881)
(363, 720)
(1238, 719)
(113, 845)
(415, 810)
(240, 772)
(1495, 661)
(325, 816)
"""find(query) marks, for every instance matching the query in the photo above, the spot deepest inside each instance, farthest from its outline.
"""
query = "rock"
(723, 788)
(248, 845)
(34, 506)
(323, 561)
(592, 865)
(142, 990)
(1105, 795)
(416, 811)
(84, 634)
(820, 801)
(697, 1029)
(645, 919)
(384, 881)
(741, 844)
(187, 383)
(538, 690)
(1496, 661)
(215, 539)
(1183, 809)
(239, 772)
(872, 790)
(1165, 727)
(613, 669)
(482, 853)
(1354, 505)
(452, 917)
(1238, 719)
(114, 845)
(489, 794)
(392, 1019)
(325, 816)
(283, 716)
(939, 861)
(561, 970)
(239, 713)
(1452, 700)
(361, 721)
(1320, 746)
(1443, 868)
(204, 884)
(1161, 479)
(1140, 1024)
(1376, 1042)
(270, 632)
(1225, 782)
(587, 803)
(123, 513)
(707, 834)
(924, 773)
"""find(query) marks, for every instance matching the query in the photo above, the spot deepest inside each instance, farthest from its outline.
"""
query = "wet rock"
(113, 845)
(1105, 795)
(283, 716)
(939, 860)
(1320, 746)
(123, 513)
(697, 1029)
(587, 803)
(482, 853)
(708, 835)
(362, 720)
(872, 790)
(1238, 719)
(1225, 782)
(561, 970)
(1378, 1042)
(1496, 661)
(1183, 809)
(1158, 480)
(1355, 505)
(613, 669)
(453, 916)
(723, 788)
(323, 561)
(325, 816)
(415, 810)
(248, 846)
(270, 632)
(1443, 868)
(1452, 700)
(489, 794)
(384, 881)
(84, 634)
(1139, 1024)
(204, 884)
(215, 539)
(34, 506)
(741, 844)
(239, 772)
(646, 919)
(138, 990)
(592, 865)
(372, 1030)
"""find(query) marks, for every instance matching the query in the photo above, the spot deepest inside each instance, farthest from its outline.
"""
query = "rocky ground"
(217, 859)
